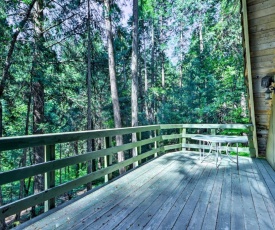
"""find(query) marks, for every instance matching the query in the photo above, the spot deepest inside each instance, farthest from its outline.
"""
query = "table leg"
(200, 149)
(237, 156)
(217, 153)
(203, 149)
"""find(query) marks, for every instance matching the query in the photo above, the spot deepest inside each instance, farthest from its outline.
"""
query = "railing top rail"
(209, 126)
(19, 142)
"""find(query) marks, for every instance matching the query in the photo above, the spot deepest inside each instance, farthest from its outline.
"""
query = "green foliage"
(194, 45)
(27, 1)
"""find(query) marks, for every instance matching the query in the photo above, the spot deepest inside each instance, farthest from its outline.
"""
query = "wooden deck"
(176, 191)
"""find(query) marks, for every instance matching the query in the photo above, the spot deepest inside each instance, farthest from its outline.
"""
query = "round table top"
(221, 138)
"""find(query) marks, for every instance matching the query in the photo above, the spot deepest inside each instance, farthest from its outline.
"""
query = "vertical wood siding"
(261, 23)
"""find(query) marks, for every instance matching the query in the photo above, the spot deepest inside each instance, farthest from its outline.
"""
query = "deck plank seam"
(223, 218)
(182, 199)
(250, 213)
(118, 188)
(258, 199)
(153, 224)
(130, 191)
(144, 198)
(211, 214)
(196, 193)
(188, 176)
(267, 195)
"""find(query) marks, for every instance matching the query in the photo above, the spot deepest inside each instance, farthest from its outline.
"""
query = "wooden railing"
(183, 132)
(155, 139)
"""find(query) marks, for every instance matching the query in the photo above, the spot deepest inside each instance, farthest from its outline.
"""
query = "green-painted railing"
(162, 138)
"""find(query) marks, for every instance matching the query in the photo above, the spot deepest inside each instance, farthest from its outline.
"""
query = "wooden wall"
(261, 28)
(270, 149)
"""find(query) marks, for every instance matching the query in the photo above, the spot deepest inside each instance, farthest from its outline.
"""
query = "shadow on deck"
(175, 191)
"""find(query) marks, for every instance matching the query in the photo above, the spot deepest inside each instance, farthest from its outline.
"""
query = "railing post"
(157, 133)
(183, 139)
(138, 148)
(213, 132)
(251, 146)
(108, 160)
(49, 176)
(135, 149)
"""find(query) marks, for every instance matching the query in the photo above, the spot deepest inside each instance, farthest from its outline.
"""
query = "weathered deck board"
(268, 174)
(210, 218)
(257, 187)
(224, 214)
(265, 184)
(237, 206)
(186, 174)
(196, 220)
(176, 191)
(250, 216)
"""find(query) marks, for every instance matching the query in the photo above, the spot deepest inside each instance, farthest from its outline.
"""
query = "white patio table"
(215, 143)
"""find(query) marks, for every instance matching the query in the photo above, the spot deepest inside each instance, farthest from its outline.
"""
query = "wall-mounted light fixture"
(267, 83)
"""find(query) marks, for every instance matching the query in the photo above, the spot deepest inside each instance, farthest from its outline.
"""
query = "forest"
(77, 65)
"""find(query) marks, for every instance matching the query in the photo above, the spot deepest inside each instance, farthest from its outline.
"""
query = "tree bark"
(2, 221)
(5, 77)
(8, 62)
(145, 69)
(38, 119)
(38, 94)
(153, 103)
(134, 101)
(162, 54)
(146, 105)
(153, 54)
(22, 163)
(201, 37)
(113, 82)
(181, 56)
(91, 164)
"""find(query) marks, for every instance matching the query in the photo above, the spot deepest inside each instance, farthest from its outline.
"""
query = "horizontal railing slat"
(20, 142)
(24, 203)
(171, 126)
(208, 126)
(172, 136)
(9, 143)
(170, 147)
(26, 172)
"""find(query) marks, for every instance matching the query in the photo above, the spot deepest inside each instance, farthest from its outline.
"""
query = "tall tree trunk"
(135, 75)
(8, 61)
(202, 85)
(162, 53)
(201, 38)
(153, 103)
(113, 82)
(162, 71)
(181, 56)
(2, 221)
(22, 163)
(5, 77)
(38, 94)
(145, 69)
(38, 119)
(153, 54)
(91, 164)
(146, 104)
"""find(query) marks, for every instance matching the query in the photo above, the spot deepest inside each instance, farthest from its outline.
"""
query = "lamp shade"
(266, 81)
